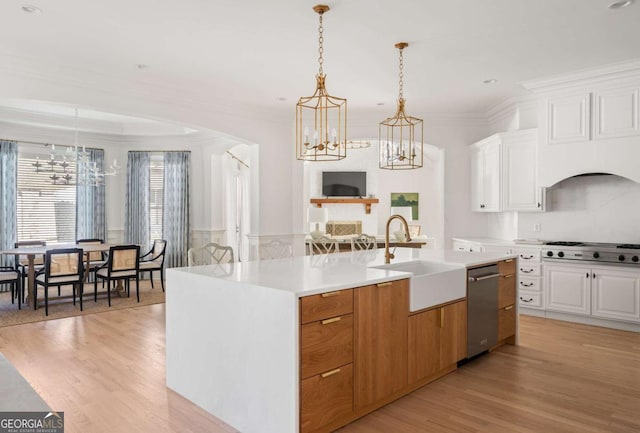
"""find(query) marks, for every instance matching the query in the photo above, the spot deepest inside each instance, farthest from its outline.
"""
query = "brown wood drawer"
(326, 400)
(506, 322)
(326, 305)
(506, 290)
(325, 345)
(507, 267)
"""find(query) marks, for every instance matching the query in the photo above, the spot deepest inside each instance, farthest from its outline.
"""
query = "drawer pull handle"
(526, 258)
(526, 300)
(525, 285)
(508, 260)
(507, 276)
(332, 320)
(388, 283)
(328, 294)
(508, 308)
(525, 271)
(330, 373)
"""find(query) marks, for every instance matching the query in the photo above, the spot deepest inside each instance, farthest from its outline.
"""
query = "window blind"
(45, 211)
(156, 181)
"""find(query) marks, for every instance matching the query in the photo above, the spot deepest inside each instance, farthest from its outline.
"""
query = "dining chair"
(364, 242)
(9, 275)
(210, 254)
(62, 267)
(275, 249)
(123, 264)
(155, 260)
(95, 259)
(22, 264)
(323, 245)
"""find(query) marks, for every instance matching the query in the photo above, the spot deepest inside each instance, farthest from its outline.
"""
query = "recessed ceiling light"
(142, 66)
(619, 4)
(490, 81)
(31, 9)
(379, 103)
(281, 99)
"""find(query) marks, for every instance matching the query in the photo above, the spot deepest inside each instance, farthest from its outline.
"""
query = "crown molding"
(507, 107)
(616, 71)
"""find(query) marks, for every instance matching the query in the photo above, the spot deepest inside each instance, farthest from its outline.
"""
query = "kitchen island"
(234, 334)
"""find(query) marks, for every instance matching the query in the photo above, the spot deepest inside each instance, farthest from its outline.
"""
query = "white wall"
(427, 181)
(588, 208)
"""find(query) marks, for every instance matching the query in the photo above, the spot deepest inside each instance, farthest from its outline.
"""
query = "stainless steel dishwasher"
(482, 309)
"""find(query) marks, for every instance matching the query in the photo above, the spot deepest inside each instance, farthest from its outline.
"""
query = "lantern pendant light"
(401, 136)
(321, 119)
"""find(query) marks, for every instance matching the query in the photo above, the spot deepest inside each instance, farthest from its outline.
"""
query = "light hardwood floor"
(106, 371)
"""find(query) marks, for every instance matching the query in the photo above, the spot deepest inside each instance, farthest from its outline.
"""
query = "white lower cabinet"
(567, 289)
(615, 294)
(608, 292)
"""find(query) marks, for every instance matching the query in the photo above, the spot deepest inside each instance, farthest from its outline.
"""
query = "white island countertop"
(232, 331)
(310, 275)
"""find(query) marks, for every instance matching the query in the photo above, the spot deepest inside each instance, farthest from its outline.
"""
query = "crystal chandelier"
(401, 136)
(321, 119)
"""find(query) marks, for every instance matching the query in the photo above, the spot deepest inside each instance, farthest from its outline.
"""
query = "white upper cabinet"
(569, 118)
(485, 175)
(616, 113)
(504, 173)
(589, 122)
(520, 172)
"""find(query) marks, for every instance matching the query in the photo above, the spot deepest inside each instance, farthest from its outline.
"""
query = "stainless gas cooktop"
(592, 251)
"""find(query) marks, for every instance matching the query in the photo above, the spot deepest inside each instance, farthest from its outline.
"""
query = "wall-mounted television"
(344, 183)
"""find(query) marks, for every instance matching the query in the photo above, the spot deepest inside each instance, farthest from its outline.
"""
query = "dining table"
(32, 251)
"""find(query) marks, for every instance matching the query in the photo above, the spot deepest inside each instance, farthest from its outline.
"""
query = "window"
(156, 185)
(45, 211)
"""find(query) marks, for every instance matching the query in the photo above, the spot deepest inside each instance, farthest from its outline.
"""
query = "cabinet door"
(569, 119)
(567, 289)
(381, 341)
(437, 340)
(520, 182)
(424, 345)
(491, 177)
(453, 333)
(616, 113)
(616, 294)
(476, 179)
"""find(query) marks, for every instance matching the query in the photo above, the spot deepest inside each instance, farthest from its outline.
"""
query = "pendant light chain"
(401, 75)
(320, 46)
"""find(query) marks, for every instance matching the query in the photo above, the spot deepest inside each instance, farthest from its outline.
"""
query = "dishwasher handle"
(485, 277)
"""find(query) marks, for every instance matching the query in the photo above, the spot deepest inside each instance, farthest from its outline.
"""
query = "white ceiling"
(251, 53)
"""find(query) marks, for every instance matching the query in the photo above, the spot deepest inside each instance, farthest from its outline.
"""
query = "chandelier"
(60, 168)
(401, 136)
(74, 162)
(321, 119)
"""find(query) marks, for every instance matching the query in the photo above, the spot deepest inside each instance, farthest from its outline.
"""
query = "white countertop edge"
(354, 284)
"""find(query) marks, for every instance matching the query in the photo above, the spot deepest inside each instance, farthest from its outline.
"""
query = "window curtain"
(175, 215)
(8, 197)
(136, 224)
(91, 219)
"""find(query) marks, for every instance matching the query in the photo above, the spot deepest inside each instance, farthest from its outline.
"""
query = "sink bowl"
(431, 283)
